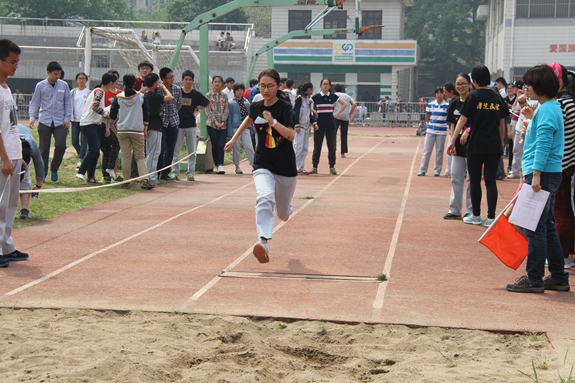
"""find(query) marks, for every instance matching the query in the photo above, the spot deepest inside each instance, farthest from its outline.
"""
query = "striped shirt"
(568, 108)
(324, 104)
(438, 118)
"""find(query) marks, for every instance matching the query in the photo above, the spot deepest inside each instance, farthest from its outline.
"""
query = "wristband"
(39, 187)
(468, 130)
(275, 123)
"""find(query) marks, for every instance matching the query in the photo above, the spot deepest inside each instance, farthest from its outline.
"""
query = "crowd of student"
(532, 122)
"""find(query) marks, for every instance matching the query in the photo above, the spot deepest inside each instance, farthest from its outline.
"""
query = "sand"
(71, 345)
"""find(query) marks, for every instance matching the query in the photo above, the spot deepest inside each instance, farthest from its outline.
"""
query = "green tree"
(68, 9)
(261, 17)
(186, 10)
(450, 38)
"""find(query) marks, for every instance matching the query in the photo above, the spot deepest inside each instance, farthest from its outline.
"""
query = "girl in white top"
(79, 97)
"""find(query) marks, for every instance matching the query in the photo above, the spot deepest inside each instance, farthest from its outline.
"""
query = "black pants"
(331, 138)
(488, 163)
(343, 126)
(169, 138)
(110, 147)
(218, 138)
(45, 133)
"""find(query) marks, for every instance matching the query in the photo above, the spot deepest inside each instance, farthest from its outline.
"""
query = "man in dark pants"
(171, 121)
(51, 105)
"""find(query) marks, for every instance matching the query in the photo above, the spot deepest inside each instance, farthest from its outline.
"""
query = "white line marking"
(378, 303)
(69, 266)
(215, 280)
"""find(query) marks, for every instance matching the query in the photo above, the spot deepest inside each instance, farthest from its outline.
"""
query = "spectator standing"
(254, 92)
(342, 121)
(253, 82)
(449, 93)
(109, 144)
(217, 112)
(10, 153)
(52, 106)
(20, 103)
(304, 120)
(229, 89)
(144, 68)
(436, 119)
(30, 152)
(542, 164)
(170, 120)
(291, 91)
(239, 110)
(192, 100)
(79, 96)
(501, 85)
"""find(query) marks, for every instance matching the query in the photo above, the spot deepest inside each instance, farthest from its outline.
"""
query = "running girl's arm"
(341, 110)
(286, 132)
(245, 124)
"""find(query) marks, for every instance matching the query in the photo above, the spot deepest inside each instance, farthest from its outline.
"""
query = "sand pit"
(90, 346)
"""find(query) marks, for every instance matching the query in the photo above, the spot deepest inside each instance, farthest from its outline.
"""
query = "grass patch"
(382, 277)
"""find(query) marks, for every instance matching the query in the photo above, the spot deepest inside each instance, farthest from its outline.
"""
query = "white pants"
(449, 158)
(458, 176)
(430, 141)
(273, 192)
(245, 139)
(517, 151)
(153, 149)
(9, 186)
(188, 134)
(301, 147)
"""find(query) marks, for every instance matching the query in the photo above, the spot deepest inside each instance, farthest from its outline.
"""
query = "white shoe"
(261, 252)
(220, 170)
(512, 176)
(569, 262)
(80, 176)
(111, 172)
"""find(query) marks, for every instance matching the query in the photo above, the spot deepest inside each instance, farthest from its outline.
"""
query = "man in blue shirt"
(51, 105)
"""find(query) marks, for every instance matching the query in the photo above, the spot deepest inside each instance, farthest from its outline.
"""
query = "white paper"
(528, 207)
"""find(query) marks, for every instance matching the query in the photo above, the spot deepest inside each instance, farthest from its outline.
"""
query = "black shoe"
(451, 216)
(16, 256)
(552, 283)
(501, 177)
(525, 285)
(3, 262)
(24, 214)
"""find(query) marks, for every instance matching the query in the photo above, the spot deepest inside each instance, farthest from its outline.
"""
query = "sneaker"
(106, 180)
(525, 285)
(488, 222)
(54, 176)
(79, 164)
(147, 185)
(569, 262)
(173, 177)
(111, 172)
(436, 174)
(261, 252)
(117, 179)
(451, 216)
(16, 256)
(501, 177)
(420, 174)
(239, 171)
(332, 171)
(473, 220)
(512, 176)
(3, 262)
(80, 176)
(313, 171)
(126, 186)
(552, 283)
(24, 214)
(220, 170)
(93, 180)
(446, 175)
(191, 178)
(305, 172)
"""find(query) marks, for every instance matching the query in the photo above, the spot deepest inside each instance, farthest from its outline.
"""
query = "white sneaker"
(569, 262)
(261, 252)
(220, 170)
(80, 176)
(512, 176)
(111, 172)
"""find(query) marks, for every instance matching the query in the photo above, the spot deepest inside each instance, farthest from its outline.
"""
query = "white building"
(377, 64)
(524, 33)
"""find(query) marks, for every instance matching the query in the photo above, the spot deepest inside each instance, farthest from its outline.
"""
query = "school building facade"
(376, 64)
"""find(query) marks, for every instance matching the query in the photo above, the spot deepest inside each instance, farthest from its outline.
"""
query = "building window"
(298, 20)
(335, 78)
(537, 9)
(335, 20)
(368, 93)
(371, 18)
(299, 78)
(369, 77)
(102, 61)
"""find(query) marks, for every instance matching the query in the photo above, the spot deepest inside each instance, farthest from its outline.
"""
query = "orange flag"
(393, 126)
(506, 243)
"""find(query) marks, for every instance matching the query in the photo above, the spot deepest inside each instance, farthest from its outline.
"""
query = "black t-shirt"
(453, 114)
(485, 109)
(155, 101)
(190, 101)
(274, 152)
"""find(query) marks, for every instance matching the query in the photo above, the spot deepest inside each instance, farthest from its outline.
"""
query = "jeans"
(218, 138)
(488, 163)
(92, 134)
(45, 137)
(543, 243)
(344, 127)
(331, 138)
(78, 143)
(430, 141)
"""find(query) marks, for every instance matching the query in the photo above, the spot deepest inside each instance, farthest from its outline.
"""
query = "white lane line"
(248, 252)
(378, 303)
(69, 266)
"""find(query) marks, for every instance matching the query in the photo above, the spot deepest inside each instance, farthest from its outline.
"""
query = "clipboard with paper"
(529, 207)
